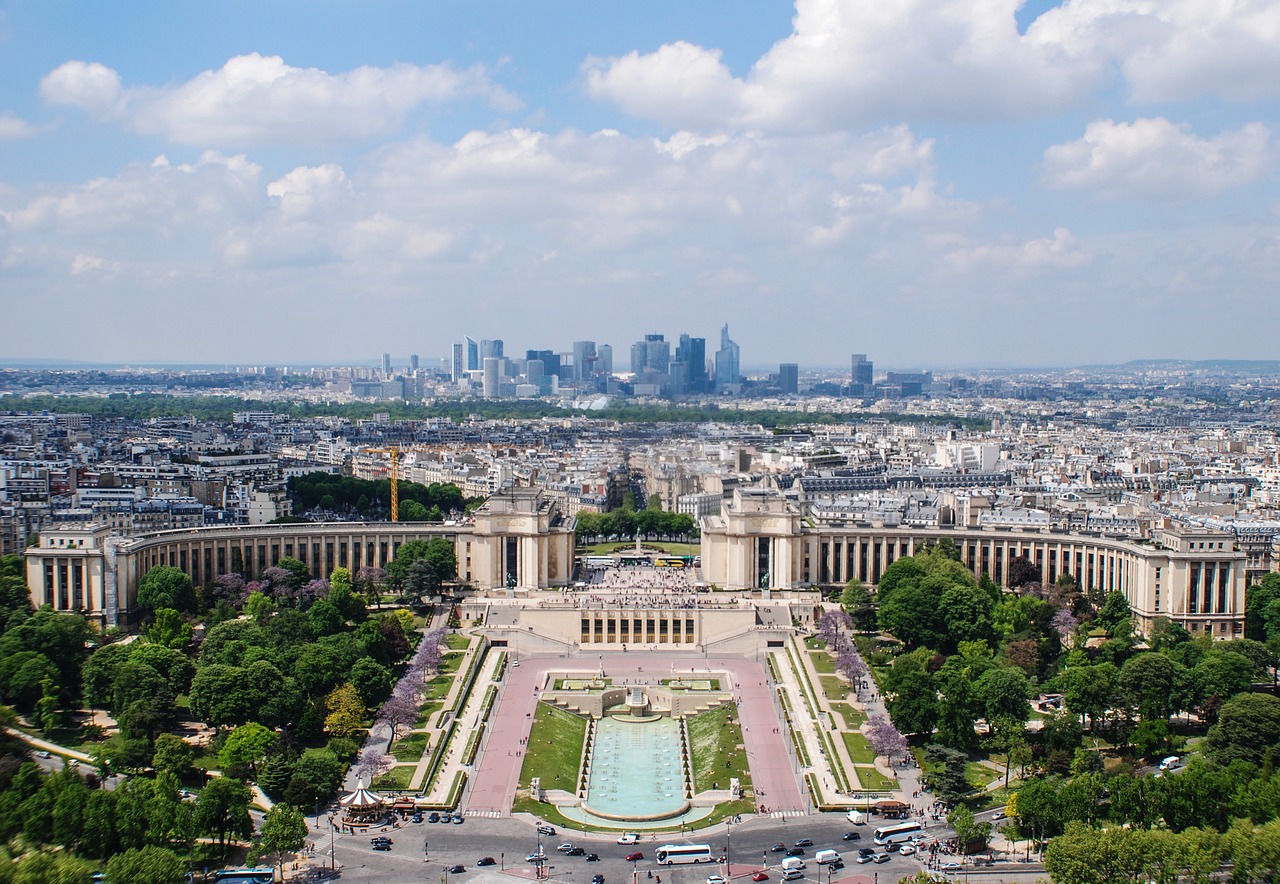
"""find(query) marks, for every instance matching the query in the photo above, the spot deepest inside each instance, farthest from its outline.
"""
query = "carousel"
(363, 808)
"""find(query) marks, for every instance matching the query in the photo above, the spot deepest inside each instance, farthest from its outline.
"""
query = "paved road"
(510, 839)
(498, 771)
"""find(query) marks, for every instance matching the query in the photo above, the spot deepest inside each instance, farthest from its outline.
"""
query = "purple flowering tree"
(885, 739)
(1064, 623)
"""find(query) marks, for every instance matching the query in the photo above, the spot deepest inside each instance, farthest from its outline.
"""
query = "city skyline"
(997, 184)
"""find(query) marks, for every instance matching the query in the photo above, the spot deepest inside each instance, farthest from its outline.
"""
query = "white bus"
(896, 834)
(670, 854)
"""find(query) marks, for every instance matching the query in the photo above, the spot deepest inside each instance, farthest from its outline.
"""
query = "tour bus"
(670, 854)
(669, 562)
(246, 876)
(597, 561)
(898, 833)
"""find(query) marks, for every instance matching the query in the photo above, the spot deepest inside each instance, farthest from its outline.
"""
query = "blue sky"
(927, 181)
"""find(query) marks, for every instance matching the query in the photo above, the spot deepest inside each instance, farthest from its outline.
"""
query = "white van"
(792, 862)
(1173, 762)
(856, 817)
(827, 857)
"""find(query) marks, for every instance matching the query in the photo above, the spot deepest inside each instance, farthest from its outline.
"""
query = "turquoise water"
(636, 769)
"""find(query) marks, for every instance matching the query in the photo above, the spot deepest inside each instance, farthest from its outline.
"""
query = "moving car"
(576, 851)
(715, 879)
(906, 850)
(760, 876)
(457, 870)
(635, 857)
(565, 847)
(597, 879)
(544, 829)
(792, 875)
(795, 851)
(883, 857)
(380, 839)
(852, 836)
(486, 861)
(804, 842)
(865, 858)
(950, 867)
(381, 845)
(779, 847)
(629, 838)
(592, 858)
(536, 858)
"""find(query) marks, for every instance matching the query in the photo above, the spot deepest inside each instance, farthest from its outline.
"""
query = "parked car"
(457, 819)
(635, 857)
(852, 836)
(446, 817)
(486, 861)
(433, 817)
(950, 866)
(417, 818)
(597, 879)
(457, 870)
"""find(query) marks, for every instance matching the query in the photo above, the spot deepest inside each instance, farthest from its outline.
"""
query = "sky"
(930, 182)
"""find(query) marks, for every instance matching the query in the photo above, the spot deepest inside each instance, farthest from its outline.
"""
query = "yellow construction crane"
(395, 478)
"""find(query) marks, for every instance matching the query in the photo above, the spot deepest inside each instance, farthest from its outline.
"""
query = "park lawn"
(834, 687)
(410, 747)
(554, 750)
(823, 662)
(814, 643)
(859, 748)
(396, 778)
(425, 711)
(456, 642)
(451, 662)
(716, 748)
(853, 717)
(438, 687)
(874, 781)
(978, 774)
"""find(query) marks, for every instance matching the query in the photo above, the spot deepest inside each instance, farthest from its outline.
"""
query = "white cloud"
(86, 263)
(1174, 50)
(1061, 252)
(256, 99)
(308, 188)
(15, 128)
(847, 64)
(1156, 159)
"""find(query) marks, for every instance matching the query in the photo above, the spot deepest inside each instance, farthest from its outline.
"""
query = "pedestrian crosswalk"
(785, 814)
(487, 814)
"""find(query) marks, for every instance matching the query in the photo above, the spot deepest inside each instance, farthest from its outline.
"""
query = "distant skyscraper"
(639, 357)
(862, 373)
(456, 366)
(492, 376)
(386, 365)
(693, 352)
(490, 349)
(413, 362)
(727, 357)
(473, 354)
(659, 357)
(604, 359)
(789, 377)
(550, 360)
(584, 360)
